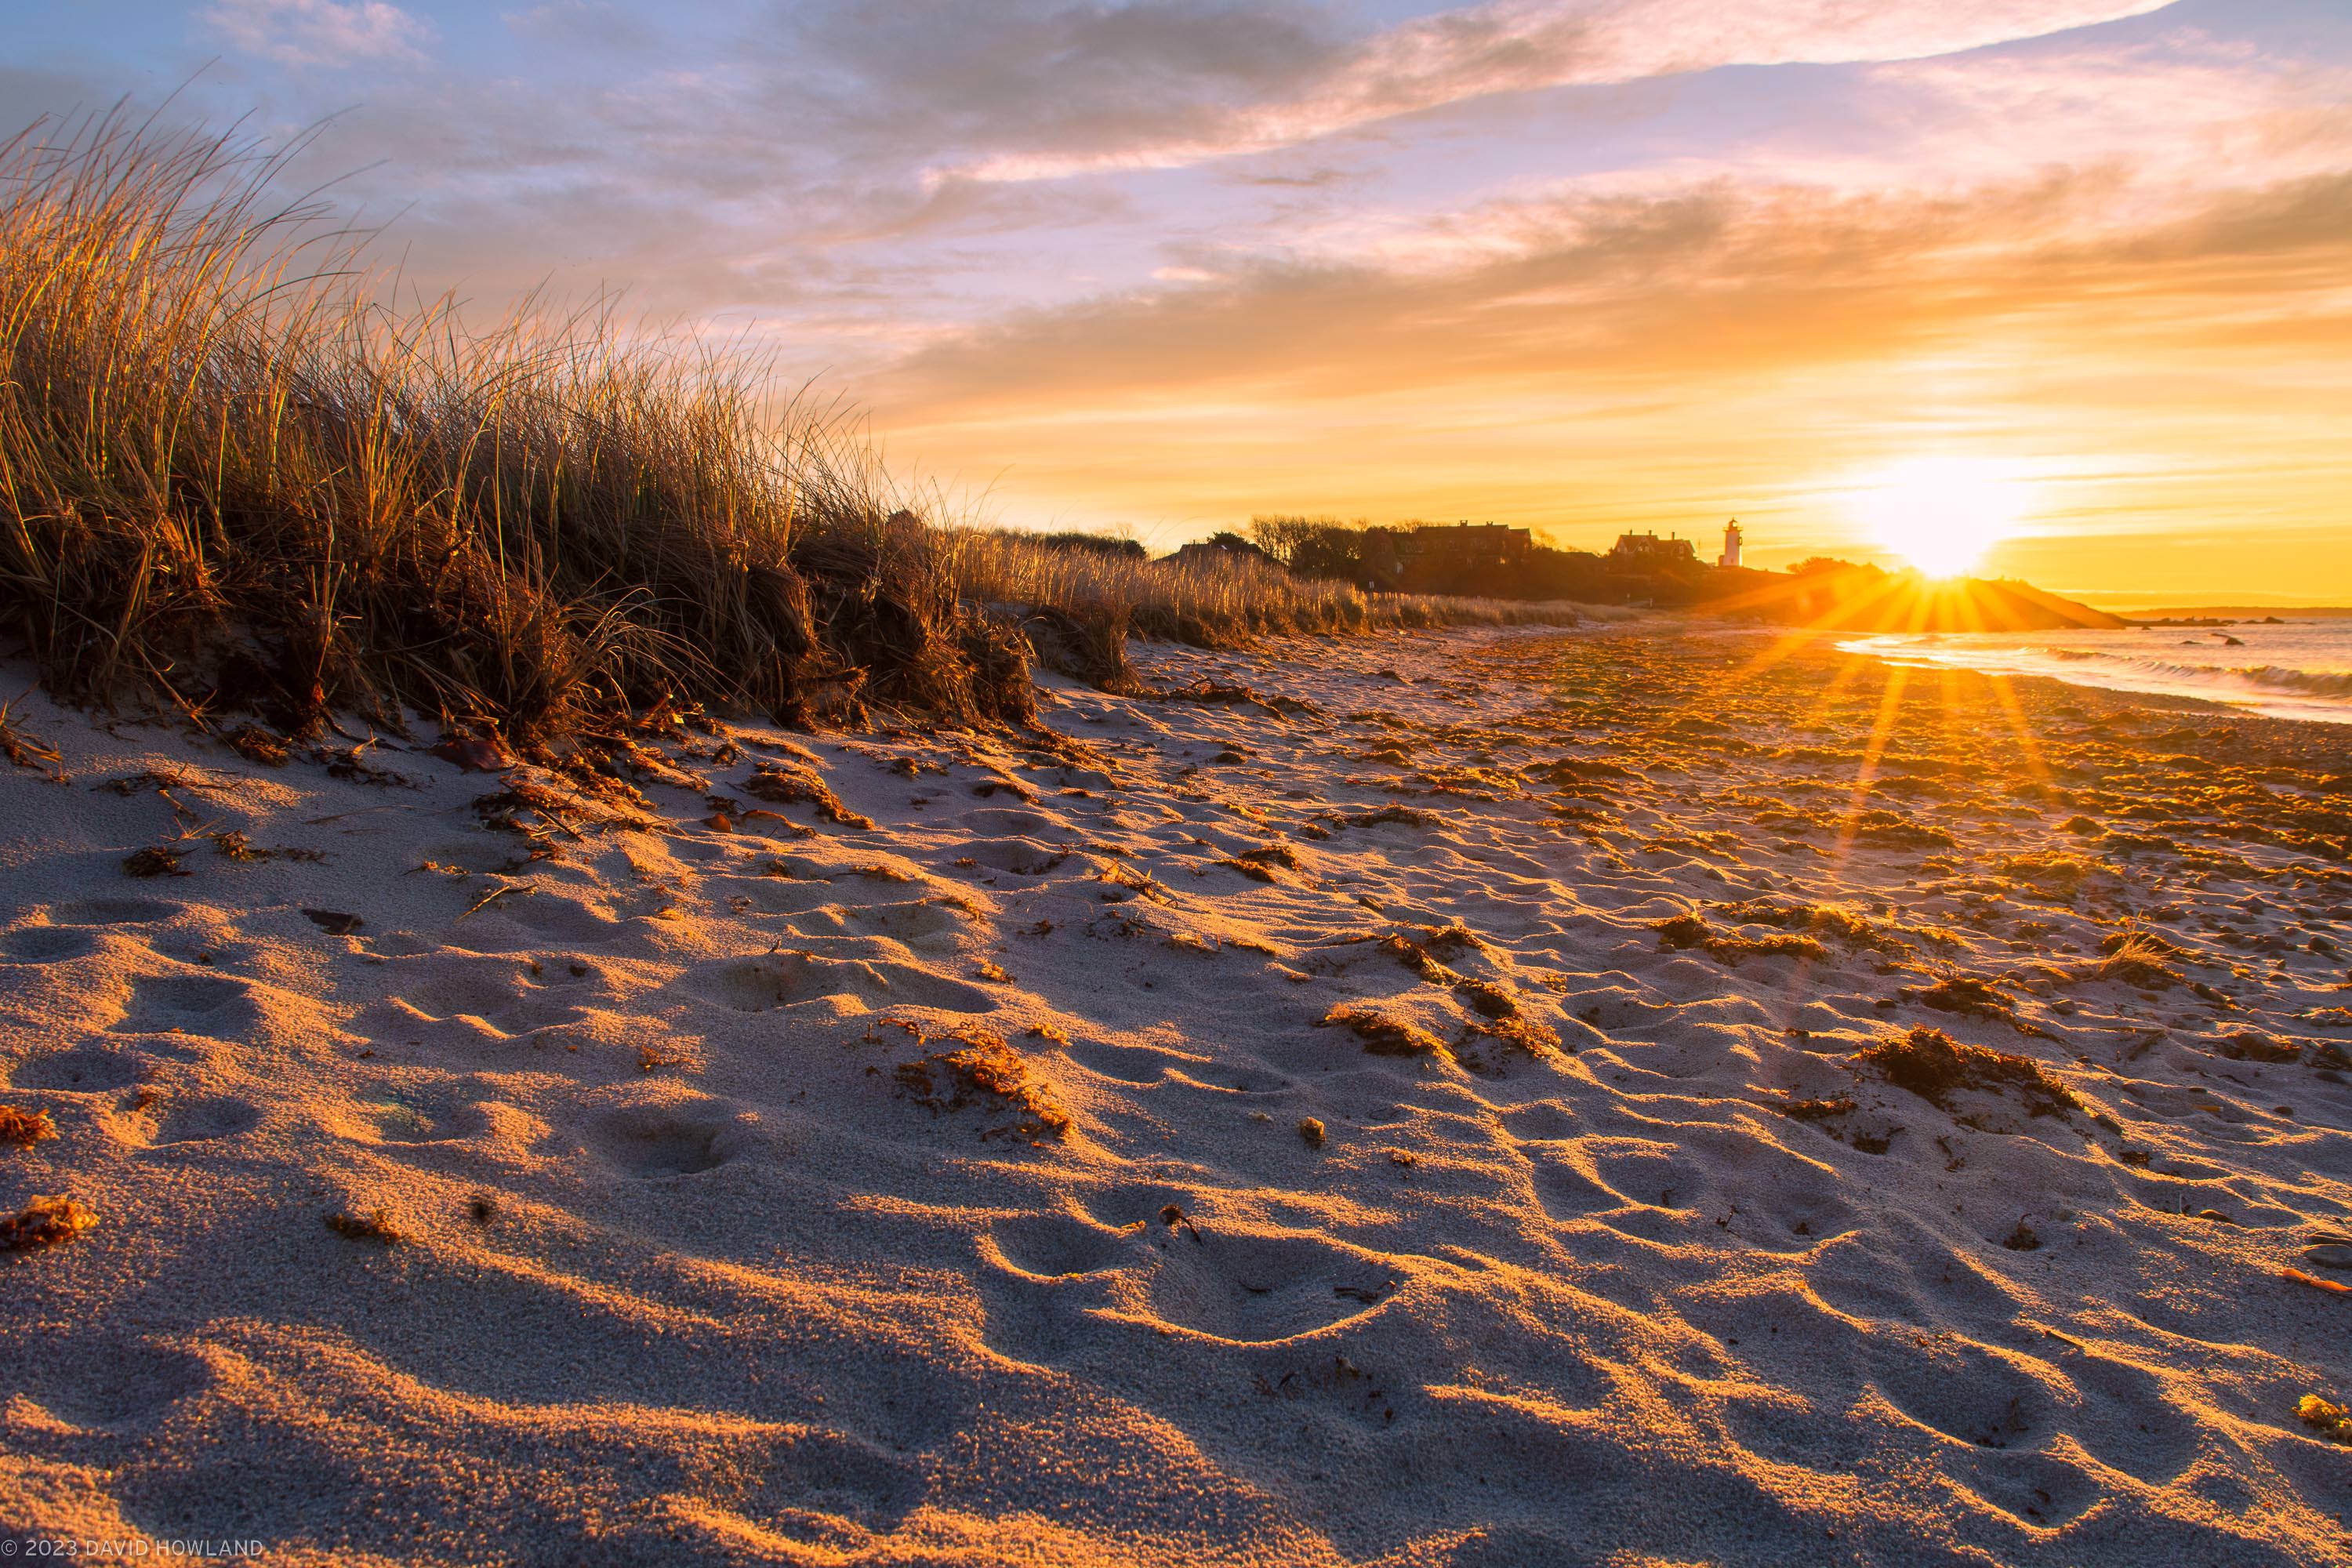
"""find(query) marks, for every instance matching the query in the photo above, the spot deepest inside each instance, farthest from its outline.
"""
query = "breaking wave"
(2308, 673)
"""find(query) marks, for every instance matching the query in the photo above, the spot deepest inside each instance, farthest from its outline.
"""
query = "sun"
(1942, 514)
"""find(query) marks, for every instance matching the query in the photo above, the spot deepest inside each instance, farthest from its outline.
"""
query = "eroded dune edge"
(1441, 1099)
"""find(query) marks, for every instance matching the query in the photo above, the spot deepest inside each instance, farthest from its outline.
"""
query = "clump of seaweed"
(1969, 998)
(1514, 1029)
(23, 1129)
(1933, 1066)
(234, 846)
(985, 1067)
(1818, 919)
(1260, 864)
(45, 1221)
(2137, 958)
(2324, 1416)
(1691, 933)
(155, 860)
(375, 1226)
(786, 783)
(1382, 1035)
(1415, 955)
(1501, 1018)
(2050, 872)
(1135, 880)
(1405, 816)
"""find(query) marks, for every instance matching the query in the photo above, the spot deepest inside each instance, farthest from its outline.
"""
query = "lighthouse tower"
(1730, 544)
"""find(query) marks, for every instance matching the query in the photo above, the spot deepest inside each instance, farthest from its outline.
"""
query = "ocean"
(2300, 669)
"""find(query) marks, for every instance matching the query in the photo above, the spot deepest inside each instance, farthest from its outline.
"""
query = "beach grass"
(236, 473)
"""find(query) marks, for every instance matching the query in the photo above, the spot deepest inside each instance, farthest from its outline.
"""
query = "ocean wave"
(2283, 690)
(2280, 678)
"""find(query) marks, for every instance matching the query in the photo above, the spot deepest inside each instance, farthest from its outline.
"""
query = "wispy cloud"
(321, 32)
(1723, 282)
(1508, 45)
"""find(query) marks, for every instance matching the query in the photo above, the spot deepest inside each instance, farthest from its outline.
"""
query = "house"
(1640, 550)
(1216, 550)
(1433, 558)
(1487, 545)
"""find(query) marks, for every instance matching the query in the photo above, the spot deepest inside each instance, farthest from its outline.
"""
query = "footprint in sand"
(1540, 1121)
(449, 984)
(490, 998)
(1017, 856)
(1129, 1064)
(115, 911)
(1258, 1289)
(653, 1142)
(824, 1488)
(89, 1070)
(910, 920)
(779, 980)
(120, 1387)
(203, 1120)
(48, 945)
(1965, 1391)
(1053, 1246)
(210, 1005)
(1598, 1175)
(425, 1119)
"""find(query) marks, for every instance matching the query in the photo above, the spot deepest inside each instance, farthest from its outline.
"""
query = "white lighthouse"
(1730, 544)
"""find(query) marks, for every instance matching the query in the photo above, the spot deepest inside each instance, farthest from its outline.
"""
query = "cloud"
(1638, 297)
(321, 32)
(1510, 45)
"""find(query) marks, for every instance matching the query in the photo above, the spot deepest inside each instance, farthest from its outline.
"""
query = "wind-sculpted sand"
(1632, 1096)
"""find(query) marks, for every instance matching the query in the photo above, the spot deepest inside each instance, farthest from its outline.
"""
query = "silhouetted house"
(1431, 558)
(1640, 550)
(1732, 540)
(1217, 548)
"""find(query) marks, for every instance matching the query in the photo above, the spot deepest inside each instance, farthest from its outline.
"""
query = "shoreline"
(774, 1154)
(2267, 690)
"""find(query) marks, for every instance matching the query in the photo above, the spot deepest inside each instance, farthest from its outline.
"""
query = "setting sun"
(1942, 514)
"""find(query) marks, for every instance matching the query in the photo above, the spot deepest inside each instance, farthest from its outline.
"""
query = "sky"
(1576, 265)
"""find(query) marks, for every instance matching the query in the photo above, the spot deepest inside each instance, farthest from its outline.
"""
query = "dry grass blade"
(25, 751)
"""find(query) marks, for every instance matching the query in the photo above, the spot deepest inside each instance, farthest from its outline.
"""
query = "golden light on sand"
(1942, 514)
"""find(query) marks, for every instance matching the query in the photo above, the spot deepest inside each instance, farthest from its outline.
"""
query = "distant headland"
(1643, 569)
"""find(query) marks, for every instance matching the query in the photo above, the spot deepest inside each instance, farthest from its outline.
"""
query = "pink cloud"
(321, 32)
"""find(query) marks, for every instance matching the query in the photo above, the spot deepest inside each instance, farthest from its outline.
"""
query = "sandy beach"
(1644, 1094)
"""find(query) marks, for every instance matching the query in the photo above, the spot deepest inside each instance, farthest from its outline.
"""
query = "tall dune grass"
(233, 475)
(229, 474)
